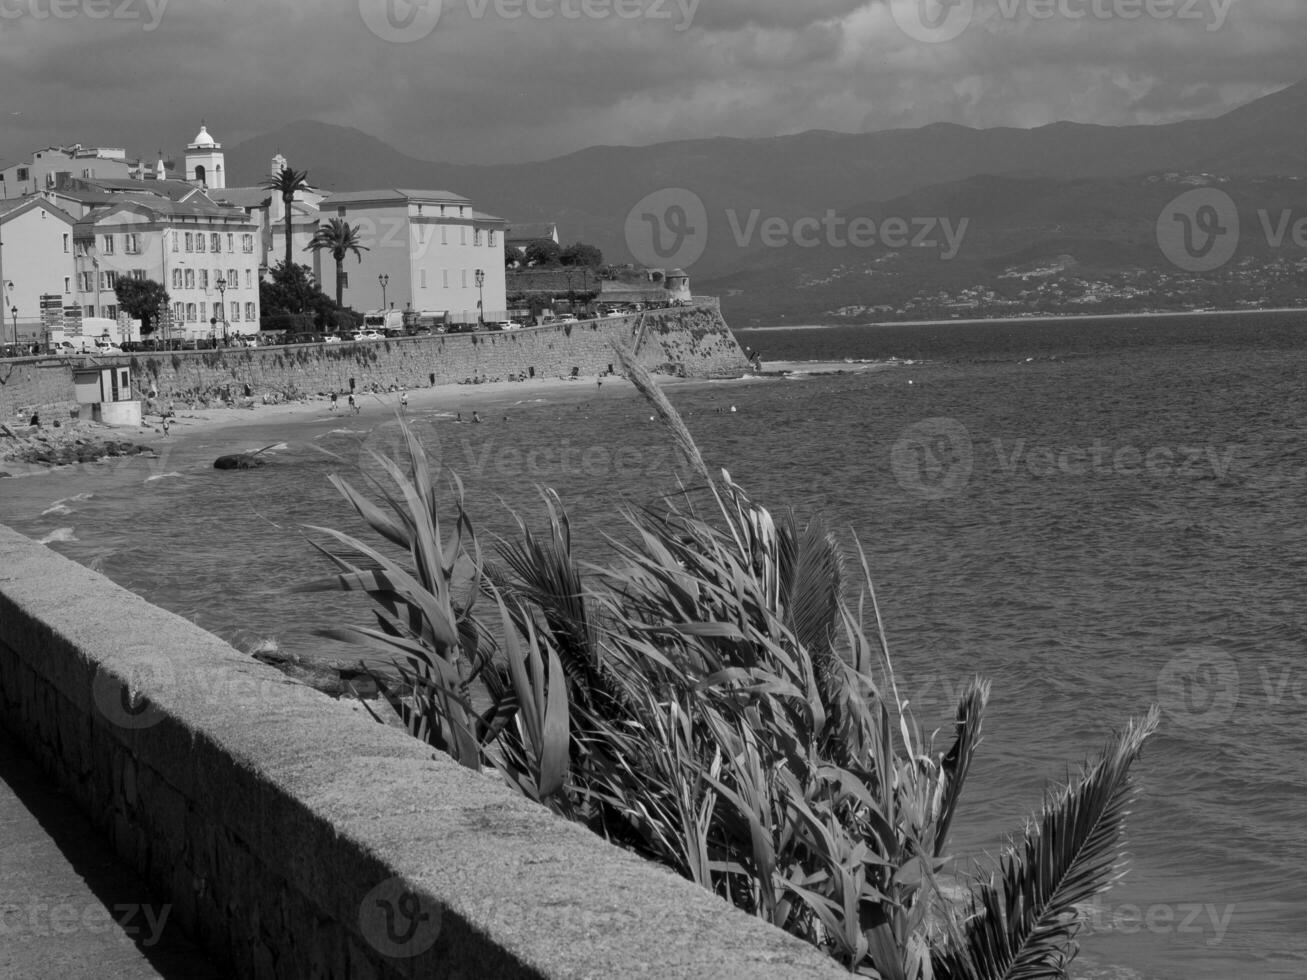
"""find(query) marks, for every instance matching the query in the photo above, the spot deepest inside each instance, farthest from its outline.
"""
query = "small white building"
(429, 244)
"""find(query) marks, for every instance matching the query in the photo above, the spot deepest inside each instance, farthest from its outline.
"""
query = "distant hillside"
(1070, 187)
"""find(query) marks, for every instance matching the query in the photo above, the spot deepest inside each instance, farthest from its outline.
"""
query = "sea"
(1096, 515)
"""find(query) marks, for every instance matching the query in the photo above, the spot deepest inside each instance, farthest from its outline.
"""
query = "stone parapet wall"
(695, 342)
(294, 837)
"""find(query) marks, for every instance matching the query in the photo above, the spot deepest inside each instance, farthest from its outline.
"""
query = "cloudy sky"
(502, 80)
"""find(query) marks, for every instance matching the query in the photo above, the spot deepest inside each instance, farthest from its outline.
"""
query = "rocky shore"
(62, 443)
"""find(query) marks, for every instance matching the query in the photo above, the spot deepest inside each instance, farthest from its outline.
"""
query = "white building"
(52, 164)
(205, 163)
(36, 259)
(430, 245)
(206, 256)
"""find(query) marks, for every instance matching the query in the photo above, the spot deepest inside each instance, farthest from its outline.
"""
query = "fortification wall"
(692, 341)
(294, 837)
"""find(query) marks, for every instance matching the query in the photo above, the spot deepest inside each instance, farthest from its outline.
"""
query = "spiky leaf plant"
(719, 697)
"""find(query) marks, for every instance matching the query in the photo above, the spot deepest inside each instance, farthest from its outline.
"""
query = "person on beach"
(403, 400)
(476, 417)
(165, 425)
(333, 401)
(352, 407)
(458, 417)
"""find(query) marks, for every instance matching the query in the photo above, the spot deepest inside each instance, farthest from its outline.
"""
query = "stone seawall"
(694, 341)
(294, 837)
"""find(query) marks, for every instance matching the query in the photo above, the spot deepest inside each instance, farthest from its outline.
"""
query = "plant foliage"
(719, 697)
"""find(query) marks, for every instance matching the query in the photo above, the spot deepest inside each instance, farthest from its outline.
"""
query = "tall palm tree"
(339, 238)
(287, 182)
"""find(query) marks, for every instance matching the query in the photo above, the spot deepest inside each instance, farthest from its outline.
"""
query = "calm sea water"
(1097, 515)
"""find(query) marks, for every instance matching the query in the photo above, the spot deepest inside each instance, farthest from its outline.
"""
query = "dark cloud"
(486, 86)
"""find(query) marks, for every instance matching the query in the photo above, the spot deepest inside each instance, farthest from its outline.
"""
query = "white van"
(384, 322)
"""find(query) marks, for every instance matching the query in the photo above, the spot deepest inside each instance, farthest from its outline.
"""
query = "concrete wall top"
(307, 793)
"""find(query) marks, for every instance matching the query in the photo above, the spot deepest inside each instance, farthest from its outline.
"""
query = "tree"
(513, 256)
(287, 182)
(581, 254)
(544, 252)
(339, 238)
(290, 290)
(141, 299)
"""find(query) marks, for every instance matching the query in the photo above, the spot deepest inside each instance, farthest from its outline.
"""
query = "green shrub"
(719, 698)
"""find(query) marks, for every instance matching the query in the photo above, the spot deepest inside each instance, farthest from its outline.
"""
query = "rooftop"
(393, 195)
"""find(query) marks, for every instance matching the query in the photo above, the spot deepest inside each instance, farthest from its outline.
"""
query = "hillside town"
(77, 221)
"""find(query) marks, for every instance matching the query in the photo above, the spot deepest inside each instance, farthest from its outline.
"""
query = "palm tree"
(287, 182)
(339, 239)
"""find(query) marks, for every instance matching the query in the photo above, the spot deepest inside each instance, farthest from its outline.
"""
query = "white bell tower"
(204, 161)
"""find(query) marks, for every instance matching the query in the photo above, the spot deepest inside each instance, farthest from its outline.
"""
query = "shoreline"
(1041, 318)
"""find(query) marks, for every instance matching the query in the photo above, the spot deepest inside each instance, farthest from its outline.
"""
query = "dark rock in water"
(237, 461)
(3, 474)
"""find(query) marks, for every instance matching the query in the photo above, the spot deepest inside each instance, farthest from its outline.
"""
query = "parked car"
(367, 335)
(512, 325)
(331, 338)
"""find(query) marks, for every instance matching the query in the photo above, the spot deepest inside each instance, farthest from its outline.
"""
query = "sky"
(488, 81)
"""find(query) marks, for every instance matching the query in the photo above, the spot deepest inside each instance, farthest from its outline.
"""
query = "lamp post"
(13, 310)
(222, 306)
(384, 279)
(481, 296)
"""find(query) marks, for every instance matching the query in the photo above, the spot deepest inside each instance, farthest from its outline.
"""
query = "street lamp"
(13, 311)
(384, 279)
(481, 300)
(222, 306)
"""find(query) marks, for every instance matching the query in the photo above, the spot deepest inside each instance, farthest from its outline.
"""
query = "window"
(132, 244)
(249, 279)
(204, 311)
(138, 273)
(190, 242)
(65, 243)
(217, 274)
(88, 311)
(179, 312)
(235, 310)
(340, 212)
(204, 278)
(231, 242)
(491, 235)
(111, 311)
(233, 278)
(175, 236)
(249, 312)
(215, 243)
(190, 312)
(190, 278)
(476, 237)
(108, 280)
(83, 282)
(107, 248)
(79, 249)
(22, 173)
(199, 241)
(68, 281)
(247, 243)
(176, 278)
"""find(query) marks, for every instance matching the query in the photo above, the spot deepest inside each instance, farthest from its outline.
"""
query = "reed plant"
(719, 697)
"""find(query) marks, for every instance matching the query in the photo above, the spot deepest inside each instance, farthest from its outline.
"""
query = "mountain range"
(1061, 202)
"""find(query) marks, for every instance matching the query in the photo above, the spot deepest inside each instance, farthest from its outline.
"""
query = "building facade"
(52, 164)
(429, 246)
(36, 260)
(206, 257)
